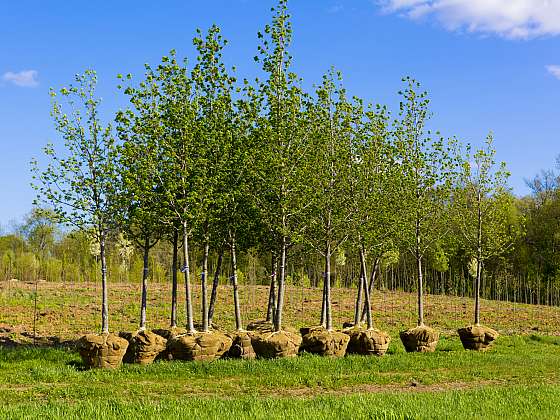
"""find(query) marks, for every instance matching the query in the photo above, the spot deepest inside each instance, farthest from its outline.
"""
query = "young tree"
(284, 141)
(483, 211)
(177, 172)
(79, 181)
(213, 88)
(328, 211)
(139, 188)
(238, 214)
(429, 167)
(374, 191)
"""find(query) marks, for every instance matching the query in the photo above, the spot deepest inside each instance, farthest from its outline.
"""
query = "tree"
(428, 166)
(213, 88)
(483, 211)
(375, 194)
(284, 141)
(79, 182)
(237, 217)
(40, 230)
(328, 212)
(177, 172)
(139, 184)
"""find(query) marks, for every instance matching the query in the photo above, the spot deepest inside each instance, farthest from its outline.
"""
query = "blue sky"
(487, 65)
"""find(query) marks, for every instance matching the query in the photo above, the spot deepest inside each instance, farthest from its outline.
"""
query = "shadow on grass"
(78, 366)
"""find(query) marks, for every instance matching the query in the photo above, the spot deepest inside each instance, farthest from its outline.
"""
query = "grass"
(519, 377)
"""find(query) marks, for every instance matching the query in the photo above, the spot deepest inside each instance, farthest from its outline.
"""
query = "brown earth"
(65, 311)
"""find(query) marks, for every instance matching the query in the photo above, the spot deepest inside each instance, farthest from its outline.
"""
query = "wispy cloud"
(554, 69)
(335, 8)
(512, 19)
(24, 78)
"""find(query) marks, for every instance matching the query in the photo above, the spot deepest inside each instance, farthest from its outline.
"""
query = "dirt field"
(68, 310)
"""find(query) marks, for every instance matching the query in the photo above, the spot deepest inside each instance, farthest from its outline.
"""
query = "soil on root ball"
(421, 339)
(323, 342)
(272, 345)
(143, 346)
(241, 346)
(367, 342)
(199, 346)
(477, 337)
(105, 351)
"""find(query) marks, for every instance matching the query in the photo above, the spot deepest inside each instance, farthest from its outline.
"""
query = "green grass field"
(518, 378)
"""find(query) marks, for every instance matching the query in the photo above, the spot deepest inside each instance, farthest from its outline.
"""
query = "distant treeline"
(39, 249)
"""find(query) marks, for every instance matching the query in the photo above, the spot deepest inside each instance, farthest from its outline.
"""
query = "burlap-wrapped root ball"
(276, 344)
(324, 342)
(171, 332)
(477, 337)
(104, 351)
(143, 346)
(199, 346)
(168, 334)
(421, 339)
(261, 326)
(367, 342)
(241, 346)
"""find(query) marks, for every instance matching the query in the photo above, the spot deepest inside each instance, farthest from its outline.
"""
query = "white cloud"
(554, 69)
(335, 8)
(24, 78)
(514, 19)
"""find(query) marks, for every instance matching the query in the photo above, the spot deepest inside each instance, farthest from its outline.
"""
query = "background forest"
(529, 272)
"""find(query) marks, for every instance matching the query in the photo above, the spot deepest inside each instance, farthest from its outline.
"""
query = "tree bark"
(271, 310)
(215, 284)
(174, 280)
(477, 292)
(281, 283)
(188, 297)
(203, 284)
(371, 286)
(420, 290)
(144, 284)
(104, 298)
(238, 324)
(324, 303)
(366, 290)
(478, 262)
(418, 256)
(357, 318)
(327, 280)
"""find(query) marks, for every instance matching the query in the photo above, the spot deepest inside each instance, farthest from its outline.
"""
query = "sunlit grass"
(519, 377)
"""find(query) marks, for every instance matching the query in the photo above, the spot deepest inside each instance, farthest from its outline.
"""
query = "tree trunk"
(324, 303)
(270, 311)
(203, 284)
(371, 286)
(327, 297)
(280, 306)
(478, 262)
(188, 297)
(420, 291)
(215, 283)
(418, 256)
(357, 318)
(144, 285)
(104, 299)
(238, 324)
(174, 280)
(477, 292)
(366, 289)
